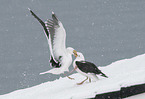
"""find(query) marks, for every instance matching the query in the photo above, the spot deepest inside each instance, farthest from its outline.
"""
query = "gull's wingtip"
(29, 9)
(54, 17)
(52, 12)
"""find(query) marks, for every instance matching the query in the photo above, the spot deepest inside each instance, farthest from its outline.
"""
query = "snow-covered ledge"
(125, 77)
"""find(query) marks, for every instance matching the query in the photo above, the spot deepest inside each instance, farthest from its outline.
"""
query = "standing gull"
(86, 68)
(61, 57)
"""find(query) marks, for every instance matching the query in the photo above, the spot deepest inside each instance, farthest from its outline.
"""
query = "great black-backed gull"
(61, 57)
(86, 68)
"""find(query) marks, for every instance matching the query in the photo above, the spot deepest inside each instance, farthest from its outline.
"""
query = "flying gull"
(61, 57)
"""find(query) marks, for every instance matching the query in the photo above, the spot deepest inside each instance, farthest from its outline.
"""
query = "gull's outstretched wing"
(57, 37)
(53, 61)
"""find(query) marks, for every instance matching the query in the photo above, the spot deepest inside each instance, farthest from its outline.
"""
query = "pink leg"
(71, 72)
(82, 81)
(89, 79)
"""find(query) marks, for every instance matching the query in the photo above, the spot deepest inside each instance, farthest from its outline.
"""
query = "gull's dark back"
(89, 67)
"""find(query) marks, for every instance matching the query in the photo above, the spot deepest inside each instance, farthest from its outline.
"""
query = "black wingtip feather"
(40, 21)
(54, 17)
(104, 75)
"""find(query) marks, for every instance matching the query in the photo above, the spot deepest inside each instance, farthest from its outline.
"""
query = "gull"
(61, 57)
(87, 69)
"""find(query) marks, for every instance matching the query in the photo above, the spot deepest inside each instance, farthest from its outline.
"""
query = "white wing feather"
(57, 37)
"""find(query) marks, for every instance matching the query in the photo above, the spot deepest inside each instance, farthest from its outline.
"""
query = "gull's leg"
(89, 79)
(82, 81)
(71, 72)
(70, 78)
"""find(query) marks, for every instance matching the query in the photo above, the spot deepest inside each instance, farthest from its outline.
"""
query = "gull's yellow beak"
(75, 53)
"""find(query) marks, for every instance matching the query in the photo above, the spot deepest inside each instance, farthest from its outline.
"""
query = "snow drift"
(123, 73)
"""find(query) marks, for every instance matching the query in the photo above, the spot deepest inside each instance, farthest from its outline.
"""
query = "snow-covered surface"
(122, 73)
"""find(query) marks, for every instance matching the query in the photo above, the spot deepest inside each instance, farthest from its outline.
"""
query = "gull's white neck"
(80, 58)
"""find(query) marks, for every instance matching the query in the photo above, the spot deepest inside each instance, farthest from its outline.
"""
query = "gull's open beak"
(75, 53)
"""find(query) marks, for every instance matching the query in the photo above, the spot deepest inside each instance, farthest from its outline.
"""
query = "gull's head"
(71, 51)
(79, 56)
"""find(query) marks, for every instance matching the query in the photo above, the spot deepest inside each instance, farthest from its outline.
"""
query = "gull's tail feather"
(53, 71)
